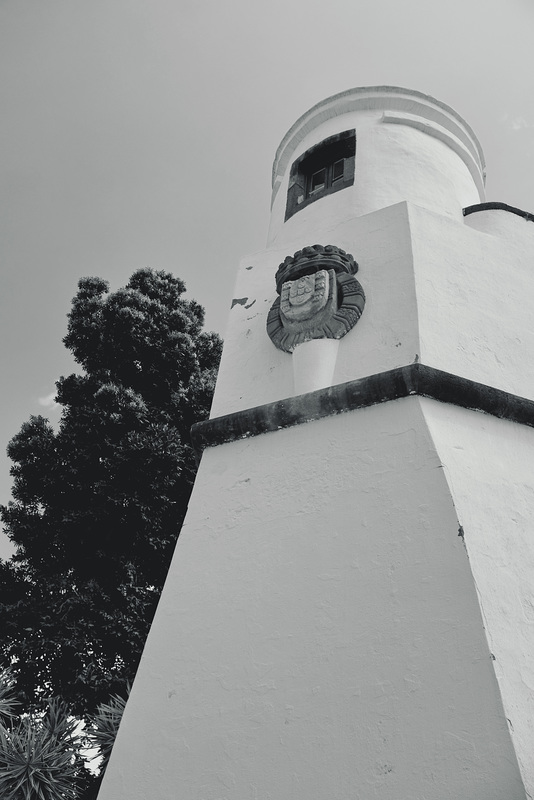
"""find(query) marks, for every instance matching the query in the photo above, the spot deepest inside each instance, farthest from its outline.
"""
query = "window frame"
(322, 157)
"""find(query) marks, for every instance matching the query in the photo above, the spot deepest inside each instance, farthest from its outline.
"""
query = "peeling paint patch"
(250, 267)
(239, 301)
(461, 534)
(250, 304)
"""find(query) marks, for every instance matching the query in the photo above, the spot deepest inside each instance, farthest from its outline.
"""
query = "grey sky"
(142, 132)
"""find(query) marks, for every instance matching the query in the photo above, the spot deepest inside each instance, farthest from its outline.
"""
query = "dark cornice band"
(414, 379)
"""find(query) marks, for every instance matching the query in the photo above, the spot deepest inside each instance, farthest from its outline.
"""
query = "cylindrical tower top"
(383, 144)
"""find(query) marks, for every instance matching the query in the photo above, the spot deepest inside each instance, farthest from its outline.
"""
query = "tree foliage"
(98, 504)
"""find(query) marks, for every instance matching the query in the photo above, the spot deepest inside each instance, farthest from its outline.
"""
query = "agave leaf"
(8, 701)
(38, 756)
(105, 725)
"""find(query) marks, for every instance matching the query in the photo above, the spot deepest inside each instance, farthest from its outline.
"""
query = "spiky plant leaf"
(8, 701)
(105, 726)
(38, 756)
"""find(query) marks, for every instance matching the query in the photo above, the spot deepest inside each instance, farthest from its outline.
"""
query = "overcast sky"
(142, 132)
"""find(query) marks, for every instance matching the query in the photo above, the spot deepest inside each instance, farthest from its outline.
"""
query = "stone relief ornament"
(310, 297)
(319, 297)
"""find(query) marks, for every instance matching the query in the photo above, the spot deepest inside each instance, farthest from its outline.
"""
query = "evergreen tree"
(97, 506)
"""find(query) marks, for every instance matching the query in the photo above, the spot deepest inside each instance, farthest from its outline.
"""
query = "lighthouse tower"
(350, 609)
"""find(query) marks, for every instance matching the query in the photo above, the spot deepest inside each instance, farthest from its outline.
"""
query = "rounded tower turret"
(367, 148)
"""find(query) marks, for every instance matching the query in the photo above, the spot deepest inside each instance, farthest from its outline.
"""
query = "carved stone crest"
(310, 297)
(319, 297)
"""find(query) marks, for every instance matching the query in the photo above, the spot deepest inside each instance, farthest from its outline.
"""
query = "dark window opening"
(337, 170)
(317, 182)
(323, 169)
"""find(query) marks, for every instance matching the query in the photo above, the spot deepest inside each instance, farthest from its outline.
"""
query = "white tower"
(350, 609)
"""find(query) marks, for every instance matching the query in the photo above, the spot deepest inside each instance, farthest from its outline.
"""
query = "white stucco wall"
(411, 150)
(475, 294)
(438, 291)
(253, 371)
(502, 223)
(394, 162)
(408, 147)
(489, 465)
(319, 634)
